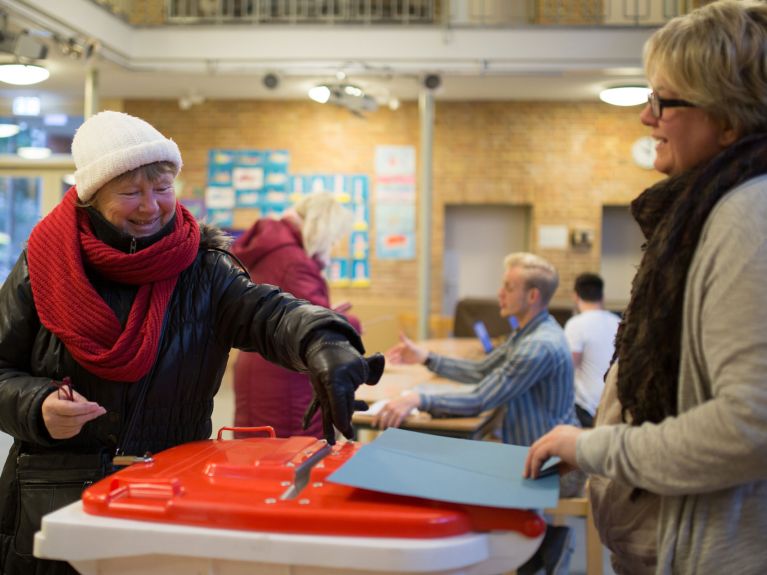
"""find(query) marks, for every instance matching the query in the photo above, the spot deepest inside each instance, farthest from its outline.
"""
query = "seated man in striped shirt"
(531, 374)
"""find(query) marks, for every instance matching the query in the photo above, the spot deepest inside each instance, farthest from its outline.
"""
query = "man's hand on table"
(396, 411)
(406, 352)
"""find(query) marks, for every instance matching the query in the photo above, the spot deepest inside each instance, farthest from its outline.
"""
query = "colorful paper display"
(244, 185)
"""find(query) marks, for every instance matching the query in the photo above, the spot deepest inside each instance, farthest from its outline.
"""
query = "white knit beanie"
(112, 143)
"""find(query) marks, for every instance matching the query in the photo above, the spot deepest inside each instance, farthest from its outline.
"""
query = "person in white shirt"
(591, 337)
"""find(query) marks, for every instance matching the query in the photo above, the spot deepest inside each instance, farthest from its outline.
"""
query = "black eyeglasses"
(657, 104)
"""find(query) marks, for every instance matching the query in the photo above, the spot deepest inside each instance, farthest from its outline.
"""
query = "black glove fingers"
(375, 364)
(311, 410)
(328, 430)
(342, 405)
(337, 370)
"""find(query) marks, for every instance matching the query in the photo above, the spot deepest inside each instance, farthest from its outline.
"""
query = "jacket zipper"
(132, 245)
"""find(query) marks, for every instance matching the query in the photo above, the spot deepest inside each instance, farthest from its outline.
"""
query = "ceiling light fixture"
(8, 130)
(191, 99)
(343, 94)
(320, 94)
(625, 95)
(22, 74)
(33, 152)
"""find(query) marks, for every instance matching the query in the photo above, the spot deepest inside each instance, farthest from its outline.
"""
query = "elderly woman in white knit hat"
(115, 327)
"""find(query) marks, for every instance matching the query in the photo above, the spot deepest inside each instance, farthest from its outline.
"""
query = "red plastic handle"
(263, 429)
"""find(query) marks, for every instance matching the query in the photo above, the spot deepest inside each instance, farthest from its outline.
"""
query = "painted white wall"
(477, 238)
(621, 253)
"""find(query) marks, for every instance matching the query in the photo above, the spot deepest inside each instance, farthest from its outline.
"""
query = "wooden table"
(400, 378)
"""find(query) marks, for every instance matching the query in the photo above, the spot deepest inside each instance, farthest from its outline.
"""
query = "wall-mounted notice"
(256, 180)
(350, 261)
(395, 202)
(244, 185)
(552, 237)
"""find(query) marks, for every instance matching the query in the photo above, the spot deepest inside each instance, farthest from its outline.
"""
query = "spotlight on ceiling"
(270, 81)
(320, 94)
(346, 95)
(432, 81)
(191, 99)
(23, 46)
(625, 95)
(77, 49)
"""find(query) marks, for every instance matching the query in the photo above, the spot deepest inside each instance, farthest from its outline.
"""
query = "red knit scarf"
(70, 307)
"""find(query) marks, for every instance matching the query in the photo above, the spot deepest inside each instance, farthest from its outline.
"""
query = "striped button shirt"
(532, 373)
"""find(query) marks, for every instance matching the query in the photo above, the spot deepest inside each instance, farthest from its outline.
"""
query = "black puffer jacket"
(214, 307)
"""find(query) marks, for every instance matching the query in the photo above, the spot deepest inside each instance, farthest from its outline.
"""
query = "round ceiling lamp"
(22, 74)
(8, 130)
(33, 152)
(625, 95)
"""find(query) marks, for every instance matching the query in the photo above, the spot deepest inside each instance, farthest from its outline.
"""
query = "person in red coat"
(290, 253)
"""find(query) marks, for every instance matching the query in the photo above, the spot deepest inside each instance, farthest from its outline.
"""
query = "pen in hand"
(64, 388)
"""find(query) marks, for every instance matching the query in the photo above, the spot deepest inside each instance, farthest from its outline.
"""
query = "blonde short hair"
(538, 273)
(324, 222)
(716, 57)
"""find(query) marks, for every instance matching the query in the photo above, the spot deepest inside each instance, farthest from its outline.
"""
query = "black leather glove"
(336, 370)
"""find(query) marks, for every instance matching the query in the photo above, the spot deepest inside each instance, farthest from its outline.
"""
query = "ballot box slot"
(303, 471)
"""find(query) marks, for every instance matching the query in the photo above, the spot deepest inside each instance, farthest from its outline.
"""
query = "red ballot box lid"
(279, 485)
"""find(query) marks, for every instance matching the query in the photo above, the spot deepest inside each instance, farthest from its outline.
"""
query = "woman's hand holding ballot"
(559, 442)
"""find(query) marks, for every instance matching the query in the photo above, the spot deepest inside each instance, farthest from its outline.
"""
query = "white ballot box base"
(109, 546)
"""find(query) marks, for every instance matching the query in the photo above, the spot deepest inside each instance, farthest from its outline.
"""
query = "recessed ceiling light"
(625, 95)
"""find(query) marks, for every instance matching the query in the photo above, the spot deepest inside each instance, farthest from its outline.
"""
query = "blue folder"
(447, 469)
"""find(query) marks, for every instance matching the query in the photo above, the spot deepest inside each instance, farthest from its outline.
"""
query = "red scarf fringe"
(71, 309)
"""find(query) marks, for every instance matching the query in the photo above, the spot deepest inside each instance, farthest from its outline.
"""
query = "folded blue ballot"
(447, 469)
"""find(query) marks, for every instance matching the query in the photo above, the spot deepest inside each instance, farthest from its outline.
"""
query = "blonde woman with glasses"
(678, 454)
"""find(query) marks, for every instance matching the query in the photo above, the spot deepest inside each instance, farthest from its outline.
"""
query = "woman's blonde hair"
(324, 222)
(716, 57)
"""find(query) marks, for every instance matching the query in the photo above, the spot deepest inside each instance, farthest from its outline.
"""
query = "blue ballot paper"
(446, 469)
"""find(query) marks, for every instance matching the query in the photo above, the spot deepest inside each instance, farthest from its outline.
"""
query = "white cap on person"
(109, 144)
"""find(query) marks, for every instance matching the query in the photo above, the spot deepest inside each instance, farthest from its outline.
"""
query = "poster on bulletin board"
(395, 202)
(253, 180)
(350, 261)
(244, 185)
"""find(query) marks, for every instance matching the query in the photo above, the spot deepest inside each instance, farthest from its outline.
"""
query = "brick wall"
(564, 160)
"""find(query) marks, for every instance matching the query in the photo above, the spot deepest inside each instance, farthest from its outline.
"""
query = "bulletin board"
(350, 262)
(253, 180)
(244, 185)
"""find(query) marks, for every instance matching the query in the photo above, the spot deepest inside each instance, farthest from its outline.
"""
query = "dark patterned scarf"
(671, 215)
